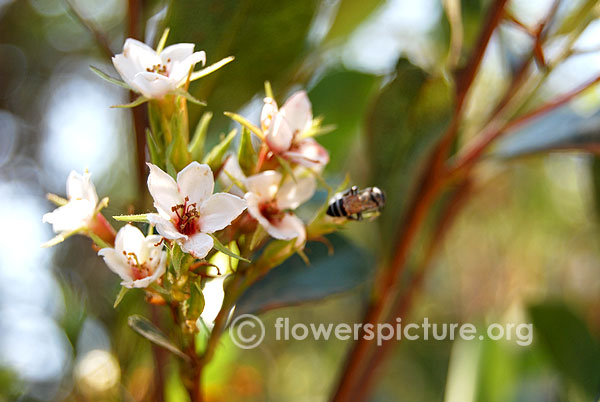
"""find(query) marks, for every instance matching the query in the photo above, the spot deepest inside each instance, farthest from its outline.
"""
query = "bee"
(353, 203)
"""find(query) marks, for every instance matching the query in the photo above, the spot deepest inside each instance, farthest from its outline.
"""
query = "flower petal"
(269, 111)
(153, 85)
(180, 70)
(165, 227)
(297, 111)
(81, 187)
(130, 240)
(176, 52)
(290, 227)
(219, 210)
(279, 135)
(292, 194)
(308, 153)
(116, 262)
(196, 182)
(74, 215)
(197, 245)
(163, 190)
(254, 210)
(126, 68)
(264, 184)
(141, 55)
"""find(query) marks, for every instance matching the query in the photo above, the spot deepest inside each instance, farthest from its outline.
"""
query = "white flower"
(155, 75)
(270, 202)
(285, 128)
(80, 208)
(139, 260)
(231, 169)
(188, 209)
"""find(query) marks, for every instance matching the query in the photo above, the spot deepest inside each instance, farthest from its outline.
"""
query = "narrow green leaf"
(214, 159)
(247, 157)
(182, 92)
(162, 41)
(269, 90)
(120, 296)
(196, 147)
(245, 123)
(258, 236)
(56, 200)
(195, 304)
(98, 240)
(140, 100)
(146, 329)
(220, 247)
(132, 218)
(210, 69)
(108, 78)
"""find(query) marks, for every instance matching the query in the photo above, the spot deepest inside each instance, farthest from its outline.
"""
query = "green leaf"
(210, 69)
(140, 100)
(132, 218)
(108, 78)
(215, 157)
(145, 328)
(98, 240)
(162, 41)
(231, 27)
(404, 124)
(247, 157)
(196, 147)
(120, 296)
(349, 15)
(294, 283)
(567, 340)
(329, 98)
(182, 92)
(153, 149)
(220, 247)
(245, 123)
(195, 304)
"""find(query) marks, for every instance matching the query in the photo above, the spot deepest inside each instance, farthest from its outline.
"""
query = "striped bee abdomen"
(336, 208)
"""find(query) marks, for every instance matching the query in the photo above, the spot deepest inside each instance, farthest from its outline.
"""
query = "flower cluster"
(259, 186)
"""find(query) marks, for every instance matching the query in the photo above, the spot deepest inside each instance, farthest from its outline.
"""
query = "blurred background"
(525, 249)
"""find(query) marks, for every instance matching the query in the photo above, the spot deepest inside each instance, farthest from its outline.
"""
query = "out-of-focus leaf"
(138, 101)
(342, 97)
(196, 147)
(214, 159)
(146, 329)
(267, 40)
(294, 282)
(349, 15)
(562, 130)
(405, 122)
(566, 338)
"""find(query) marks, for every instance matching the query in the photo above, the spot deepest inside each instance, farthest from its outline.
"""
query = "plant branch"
(432, 182)
(402, 306)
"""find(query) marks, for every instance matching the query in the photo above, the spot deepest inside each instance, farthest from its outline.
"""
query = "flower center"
(186, 219)
(138, 271)
(159, 69)
(271, 211)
